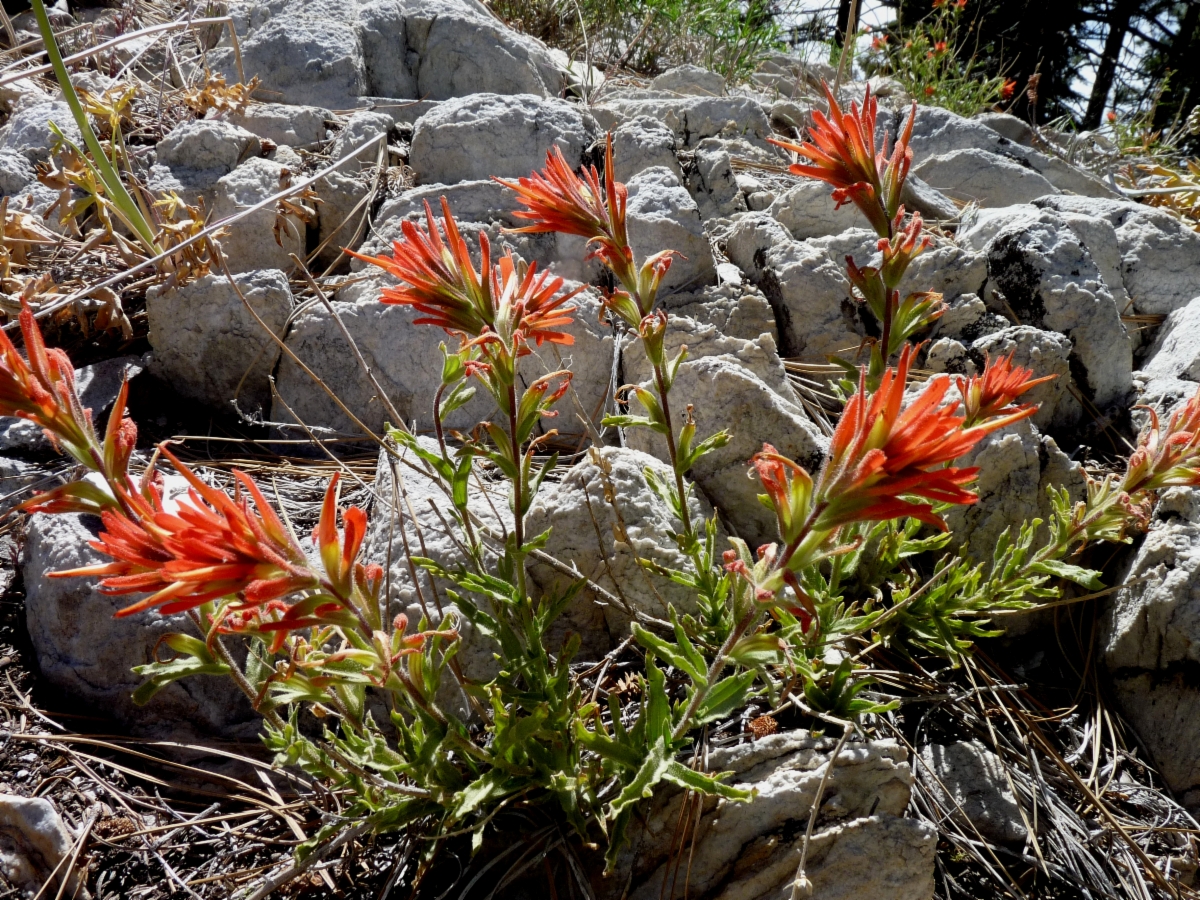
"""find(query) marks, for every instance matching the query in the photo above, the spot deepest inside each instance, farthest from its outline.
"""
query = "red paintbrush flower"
(213, 546)
(991, 394)
(789, 490)
(842, 154)
(558, 200)
(882, 451)
(439, 280)
(1164, 458)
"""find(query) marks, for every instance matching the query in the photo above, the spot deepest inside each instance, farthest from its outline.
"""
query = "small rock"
(946, 355)
(360, 128)
(693, 118)
(284, 124)
(263, 239)
(689, 79)
(736, 310)
(28, 129)
(712, 182)
(968, 782)
(1163, 395)
(662, 215)
(208, 345)
(807, 210)
(485, 135)
(976, 176)
(210, 146)
(1176, 351)
(33, 842)
(1008, 126)
(861, 846)
(340, 217)
(15, 172)
(643, 143)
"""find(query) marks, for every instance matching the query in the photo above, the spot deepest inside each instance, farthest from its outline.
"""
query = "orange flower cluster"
(438, 279)
(842, 153)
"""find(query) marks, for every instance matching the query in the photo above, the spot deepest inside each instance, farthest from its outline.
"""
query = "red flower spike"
(842, 154)
(439, 280)
(1169, 457)
(339, 552)
(789, 490)
(991, 394)
(881, 452)
(213, 546)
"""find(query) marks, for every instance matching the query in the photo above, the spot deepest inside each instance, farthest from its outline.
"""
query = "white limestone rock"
(339, 214)
(736, 310)
(1008, 126)
(263, 239)
(209, 148)
(643, 143)
(28, 130)
(1175, 352)
(1016, 466)
(807, 210)
(860, 848)
(405, 359)
(693, 118)
(690, 79)
(474, 138)
(362, 128)
(584, 523)
(34, 843)
(1160, 257)
(727, 395)
(662, 215)
(712, 182)
(1163, 395)
(1039, 271)
(209, 347)
(1151, 631)
(938, 131)
(968, 781)
(977, 176)
(16, 172)
(283, 123)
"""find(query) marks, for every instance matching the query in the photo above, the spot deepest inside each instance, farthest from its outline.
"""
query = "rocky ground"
(1060, 763)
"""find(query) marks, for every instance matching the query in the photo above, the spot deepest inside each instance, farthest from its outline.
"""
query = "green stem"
(664, 401)
(112, 181)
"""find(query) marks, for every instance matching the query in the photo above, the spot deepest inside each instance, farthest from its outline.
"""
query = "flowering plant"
(320, 631)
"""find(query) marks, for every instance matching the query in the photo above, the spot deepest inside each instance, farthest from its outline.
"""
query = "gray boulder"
(603, 518)
(331, 54)
(1040, 272)
(977, 176)
(1160, 257)
(209, 346)
(662, 215)
(406, 361)
(643, 143)
(735, 310)
(264, 239)
(1008, 126)
(28, 129)
(341, 213)
(284, 124)
(726, 394)
(968, 781)
(937, 131)
(1176, 350)
(712, 182)
(33, 845)
(1016, 466)
(360, 128)
(693, 118)
(807, 210)
(476, 137)
(689, 79)
(1151, 635)
(209, 148)
(15, 172)
(85, 652)
(861, 846)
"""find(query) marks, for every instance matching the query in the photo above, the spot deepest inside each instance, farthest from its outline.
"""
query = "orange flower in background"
(991, 394)
(439, 280)
(1008, 88)
(1111, 115)
(878, 43)
(940, 47)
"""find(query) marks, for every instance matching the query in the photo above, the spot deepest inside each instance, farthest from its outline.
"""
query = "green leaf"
(1088, 578)
(671, 653)
(651, 772)
(678, 773)
(726, 695)
(159, 675)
